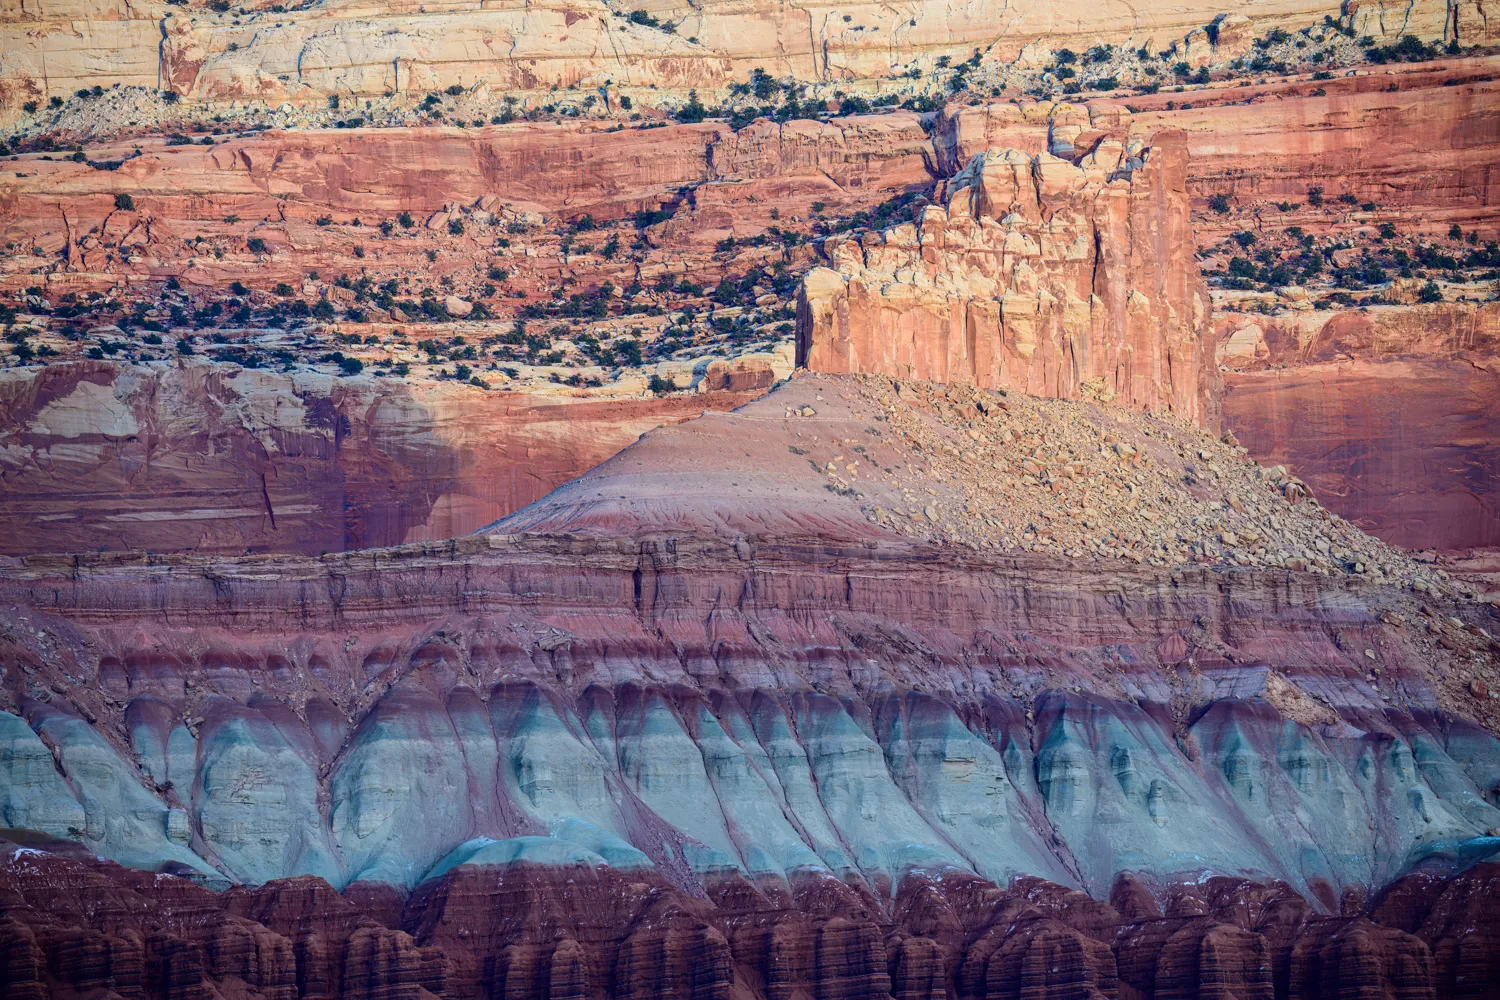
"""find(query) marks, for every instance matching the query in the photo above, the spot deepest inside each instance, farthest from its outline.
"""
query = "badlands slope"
(735, 715)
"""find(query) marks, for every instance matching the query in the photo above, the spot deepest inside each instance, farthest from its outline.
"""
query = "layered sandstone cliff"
(1425, 162)
(1391, 413)
(1416, 139)
(380, 50)
(1418, 142)
(218, 458)
(862, 690)
(1421, 152)
(1031, 273)
(274, 185)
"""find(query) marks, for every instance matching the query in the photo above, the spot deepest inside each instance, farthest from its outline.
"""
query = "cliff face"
(655, 735)
(1027, 685)
(1420, 143)
(1035, 274)
(460, 729)
(217, 458)
(1422, 151)
(1391, 414)
(1423, 148)
(377, 49)
(1416, 139)
(542, 167)
(274, 186)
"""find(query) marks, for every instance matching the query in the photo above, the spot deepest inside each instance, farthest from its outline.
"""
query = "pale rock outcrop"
(746, 372)
(1228, 37)
(1394, 18)
(1030, 273)
(90, 409)
(256, 794)
(370, 50)
(121, 818)
(1246, 344)
(36, 796)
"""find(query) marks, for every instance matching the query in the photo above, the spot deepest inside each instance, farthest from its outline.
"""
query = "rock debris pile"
(999, 470)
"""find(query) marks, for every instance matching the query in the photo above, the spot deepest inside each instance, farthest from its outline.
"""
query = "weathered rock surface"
(551, 167)
(565, 765)
(217, 458)
(1035, 274)
(1457, 918)
(376, 50)
(274, 186)
(1416, 139)
(74, 924)
(1422, 151)
(822, 698)
(1446, 330)
(1391, 413)
(1417, 142)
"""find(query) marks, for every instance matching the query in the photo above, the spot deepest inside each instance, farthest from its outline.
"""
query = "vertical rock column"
(1029, 272)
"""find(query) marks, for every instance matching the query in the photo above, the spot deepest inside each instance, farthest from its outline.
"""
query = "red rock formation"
(1037, 275)
(1341, 957)
(1465, 331)
(1458, 917)
(334, 639)
(1387, 412)
(1192, 957)
(1038, 956)
(717, 181)
(1422, 149)
(221, 459)
(1416, 139)
(1391, 414)
(100, 926)
(537, 932)
(1376, 443)
(24, 975)
(566, 169)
